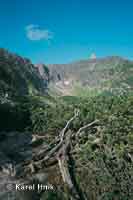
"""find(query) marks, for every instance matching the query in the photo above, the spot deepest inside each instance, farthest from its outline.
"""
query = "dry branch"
(58, 152)
(86, 126)
(68, 124)
(58, 146)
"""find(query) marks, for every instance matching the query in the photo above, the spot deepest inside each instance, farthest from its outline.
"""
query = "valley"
(68, 127)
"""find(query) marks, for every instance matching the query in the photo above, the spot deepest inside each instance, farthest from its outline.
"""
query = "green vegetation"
(102, 161)
(86, 92)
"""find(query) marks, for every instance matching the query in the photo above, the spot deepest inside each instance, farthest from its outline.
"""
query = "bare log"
(43, 151)
(63, 158)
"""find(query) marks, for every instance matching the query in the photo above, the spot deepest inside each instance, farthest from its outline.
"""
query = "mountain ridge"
(19, 76)
(91, 73)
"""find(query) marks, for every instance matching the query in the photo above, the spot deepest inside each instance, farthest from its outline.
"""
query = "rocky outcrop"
(44, 73)
(16, 152)
(15, 148)
(19, 76)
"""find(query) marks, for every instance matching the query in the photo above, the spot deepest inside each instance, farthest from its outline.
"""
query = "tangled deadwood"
(58, 153)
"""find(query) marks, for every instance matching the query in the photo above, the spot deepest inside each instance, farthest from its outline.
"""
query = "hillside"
(106, 74)
(18, 76)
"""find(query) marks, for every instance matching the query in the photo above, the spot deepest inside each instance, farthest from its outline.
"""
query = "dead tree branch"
(62, 134)
(86, 126)
(68, 124)
(59, 152)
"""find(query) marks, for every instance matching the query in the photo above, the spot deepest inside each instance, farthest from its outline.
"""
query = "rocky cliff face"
(18, 76)
(106, 73)
(44, 73)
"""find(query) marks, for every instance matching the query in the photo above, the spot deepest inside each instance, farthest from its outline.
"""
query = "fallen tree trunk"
(63, 159)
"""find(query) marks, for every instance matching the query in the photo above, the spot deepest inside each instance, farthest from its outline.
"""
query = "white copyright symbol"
(9, 186)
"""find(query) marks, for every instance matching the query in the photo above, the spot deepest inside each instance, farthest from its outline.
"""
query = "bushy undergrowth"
(107, 164)
(102, 162)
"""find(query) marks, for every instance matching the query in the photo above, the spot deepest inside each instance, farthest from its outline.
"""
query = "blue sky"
(61, 31)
